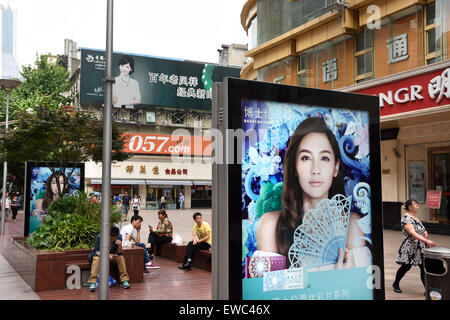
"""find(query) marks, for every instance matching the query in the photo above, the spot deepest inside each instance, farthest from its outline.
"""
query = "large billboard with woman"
(43, 186)
(307, 176)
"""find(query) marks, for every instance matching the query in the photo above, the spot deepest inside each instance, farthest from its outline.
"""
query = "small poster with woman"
(45, 185)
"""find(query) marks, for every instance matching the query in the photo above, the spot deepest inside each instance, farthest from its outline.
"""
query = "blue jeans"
(146, 258)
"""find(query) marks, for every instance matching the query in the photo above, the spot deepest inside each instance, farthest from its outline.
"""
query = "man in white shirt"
(132, 232)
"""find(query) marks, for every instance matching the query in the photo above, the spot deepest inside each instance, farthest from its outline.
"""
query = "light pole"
(106, 170)
(7, 85)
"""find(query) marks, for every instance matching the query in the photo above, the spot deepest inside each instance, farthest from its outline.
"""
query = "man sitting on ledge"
(115, 256)
(201, 240)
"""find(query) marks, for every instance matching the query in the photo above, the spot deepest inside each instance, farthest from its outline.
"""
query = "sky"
(183, 29)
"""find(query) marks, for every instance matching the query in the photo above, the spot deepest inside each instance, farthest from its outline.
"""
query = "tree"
(59, 139)
(44, 84)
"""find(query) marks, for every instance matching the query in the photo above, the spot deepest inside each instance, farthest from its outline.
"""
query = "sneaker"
(92, 287)
(150, 265)
(146, 271)
(184, 267)
(125, 285)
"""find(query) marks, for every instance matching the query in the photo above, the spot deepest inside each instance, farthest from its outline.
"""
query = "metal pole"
(106, 170)
(5, 168)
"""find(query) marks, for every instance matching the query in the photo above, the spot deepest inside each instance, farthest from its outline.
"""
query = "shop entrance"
(439, 159)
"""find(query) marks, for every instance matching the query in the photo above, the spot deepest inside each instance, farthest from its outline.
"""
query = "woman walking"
(415, 239)
(135, 204)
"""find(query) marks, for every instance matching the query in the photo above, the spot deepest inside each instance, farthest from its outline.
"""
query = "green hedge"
(72, 222)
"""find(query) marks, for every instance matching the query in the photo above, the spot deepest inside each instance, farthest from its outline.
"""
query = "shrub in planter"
(72, 222)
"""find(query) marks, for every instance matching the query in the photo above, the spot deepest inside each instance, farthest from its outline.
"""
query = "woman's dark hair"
(162, 212)
(126, 59)
(291, 215)
(48, 198)
(196, 215)
(408, 203)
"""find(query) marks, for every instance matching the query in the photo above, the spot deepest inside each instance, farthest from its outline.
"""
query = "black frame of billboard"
(26, 206)
(236, 90)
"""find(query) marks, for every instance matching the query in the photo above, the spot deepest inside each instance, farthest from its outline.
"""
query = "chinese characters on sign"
(440, 85)
(143, 170)
(329, 70)
(256, 115)
(176, 172)
(434, 199)
(186, 85)
(129, 169)
(398, 48)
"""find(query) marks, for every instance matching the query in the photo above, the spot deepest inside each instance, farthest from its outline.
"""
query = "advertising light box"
(297, 194)
(42, 190)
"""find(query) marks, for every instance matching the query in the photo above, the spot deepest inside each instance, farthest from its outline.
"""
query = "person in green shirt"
(201, 240)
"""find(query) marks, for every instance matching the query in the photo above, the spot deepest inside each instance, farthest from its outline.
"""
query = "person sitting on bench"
(115, 256)
(201, 240)
(162, 234)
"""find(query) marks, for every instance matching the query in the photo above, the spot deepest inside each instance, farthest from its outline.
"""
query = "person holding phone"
(162, 234)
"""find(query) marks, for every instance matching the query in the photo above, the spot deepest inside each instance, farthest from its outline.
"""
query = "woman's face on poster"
(54, 186)
(125, 69)
(316, 165)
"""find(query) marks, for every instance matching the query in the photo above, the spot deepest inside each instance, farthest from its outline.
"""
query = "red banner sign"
(434, 199)
(145, 143)
(419, 92)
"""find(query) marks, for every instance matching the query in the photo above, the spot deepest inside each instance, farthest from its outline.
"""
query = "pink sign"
(434, 199)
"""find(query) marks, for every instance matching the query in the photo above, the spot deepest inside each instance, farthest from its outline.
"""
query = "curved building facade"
(396, 49)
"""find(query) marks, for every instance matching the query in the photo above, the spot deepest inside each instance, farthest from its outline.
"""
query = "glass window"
(276, 17)
(364, 56)
(431, 40)
(431, 13)
(253, 34)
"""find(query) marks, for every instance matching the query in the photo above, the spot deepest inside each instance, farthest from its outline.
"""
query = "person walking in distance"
(201, 240)
(415, 239)
(135, 204)
(181, 199)
(162, 205)
(125, 205)
(14, 207)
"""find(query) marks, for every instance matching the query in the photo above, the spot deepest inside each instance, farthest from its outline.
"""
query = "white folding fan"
(323, 231)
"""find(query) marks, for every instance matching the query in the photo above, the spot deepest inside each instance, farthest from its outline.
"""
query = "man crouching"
(115, 256)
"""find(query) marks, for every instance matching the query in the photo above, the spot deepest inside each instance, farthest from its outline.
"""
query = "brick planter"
(46, 270)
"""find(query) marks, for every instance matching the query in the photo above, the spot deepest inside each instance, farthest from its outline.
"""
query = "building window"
(364, 56)
(302, 69)
(432, 42)
(178, 118)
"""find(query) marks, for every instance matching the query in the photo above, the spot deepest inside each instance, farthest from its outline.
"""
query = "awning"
(170, 182)
(94, 181)
(203, 183)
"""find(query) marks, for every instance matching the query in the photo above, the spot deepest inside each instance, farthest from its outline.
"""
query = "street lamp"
(7, 85)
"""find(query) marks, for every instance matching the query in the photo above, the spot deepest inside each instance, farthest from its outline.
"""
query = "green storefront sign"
(153, 82)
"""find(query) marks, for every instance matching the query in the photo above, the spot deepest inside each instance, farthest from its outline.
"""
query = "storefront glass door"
(440, 180)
